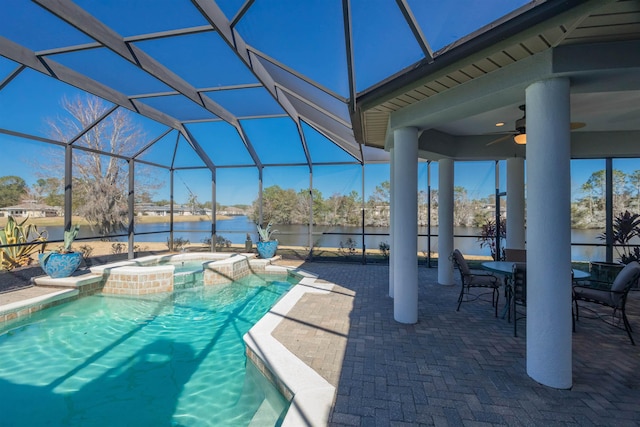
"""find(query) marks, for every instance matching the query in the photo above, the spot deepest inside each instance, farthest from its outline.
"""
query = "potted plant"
(265, 246)
(63, 262)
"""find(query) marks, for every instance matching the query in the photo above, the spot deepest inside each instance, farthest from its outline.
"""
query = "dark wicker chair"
(475, 279)
(517, 291)
(614, 298)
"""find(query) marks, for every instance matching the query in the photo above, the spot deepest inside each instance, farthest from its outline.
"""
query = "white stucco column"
(445, 221)
(405, 225)
(515, 203)
(391, 218)
(549, 233)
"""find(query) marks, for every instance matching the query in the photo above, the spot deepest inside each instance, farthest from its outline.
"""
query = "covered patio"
(573, 87)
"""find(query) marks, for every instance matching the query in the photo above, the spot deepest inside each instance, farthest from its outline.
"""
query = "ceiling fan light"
(520, 139)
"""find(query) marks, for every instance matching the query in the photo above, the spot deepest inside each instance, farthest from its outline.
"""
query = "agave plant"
(29, 239)
(265, 233)
(69, 237)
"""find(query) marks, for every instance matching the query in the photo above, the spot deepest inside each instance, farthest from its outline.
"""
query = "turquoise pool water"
(187, 266)
(164, 360)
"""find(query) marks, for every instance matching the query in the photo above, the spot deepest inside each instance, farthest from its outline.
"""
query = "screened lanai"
(379, 109)
(220, 101)
(216, 102)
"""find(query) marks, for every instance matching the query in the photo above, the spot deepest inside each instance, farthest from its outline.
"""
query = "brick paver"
(451, 368)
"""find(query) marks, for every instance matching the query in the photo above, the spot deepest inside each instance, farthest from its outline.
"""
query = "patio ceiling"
(457, 99)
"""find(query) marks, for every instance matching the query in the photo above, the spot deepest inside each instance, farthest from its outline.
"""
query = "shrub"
(348, 248)
(86, 250)
(221, 242)
(138, 248)
(384, 248)
(118, 248)
(178, 243)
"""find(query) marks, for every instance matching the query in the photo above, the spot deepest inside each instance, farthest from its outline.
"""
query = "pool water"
(187, 266)
(168, 359)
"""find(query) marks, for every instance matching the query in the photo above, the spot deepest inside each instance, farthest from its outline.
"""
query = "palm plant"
(626, 227)
(488, 237)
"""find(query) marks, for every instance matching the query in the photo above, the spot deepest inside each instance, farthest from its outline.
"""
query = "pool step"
(187, 280)
(264, 415)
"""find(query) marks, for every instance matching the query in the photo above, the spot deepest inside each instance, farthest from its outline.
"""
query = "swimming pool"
(162, 359)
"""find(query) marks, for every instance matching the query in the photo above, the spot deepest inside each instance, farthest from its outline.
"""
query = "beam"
(89, 25)
(28, 58)
(253, 61)
(415, 29)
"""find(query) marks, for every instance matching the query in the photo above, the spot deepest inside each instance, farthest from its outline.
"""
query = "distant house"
(31, 210)
(145, 209)
(148, 209)
(230, 211)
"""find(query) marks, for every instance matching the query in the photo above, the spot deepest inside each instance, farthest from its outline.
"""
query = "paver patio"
(451, 368)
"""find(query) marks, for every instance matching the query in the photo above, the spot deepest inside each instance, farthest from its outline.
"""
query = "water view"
(236, 228)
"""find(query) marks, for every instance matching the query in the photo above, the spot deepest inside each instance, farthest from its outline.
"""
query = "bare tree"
(100, 178)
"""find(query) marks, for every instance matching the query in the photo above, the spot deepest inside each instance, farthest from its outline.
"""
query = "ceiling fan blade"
(577, 125)
(502, 138)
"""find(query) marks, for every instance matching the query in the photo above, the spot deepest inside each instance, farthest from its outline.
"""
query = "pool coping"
(311, 395)
(18, 309)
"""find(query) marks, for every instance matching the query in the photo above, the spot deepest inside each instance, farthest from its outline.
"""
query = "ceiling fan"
(519, 135)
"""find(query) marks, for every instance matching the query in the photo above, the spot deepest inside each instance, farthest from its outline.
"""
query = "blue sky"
(33, 98)
(29, 100)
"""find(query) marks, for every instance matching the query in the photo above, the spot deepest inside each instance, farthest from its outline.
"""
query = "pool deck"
(451, 368)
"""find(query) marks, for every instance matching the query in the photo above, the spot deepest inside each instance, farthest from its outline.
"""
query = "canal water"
(236, 228)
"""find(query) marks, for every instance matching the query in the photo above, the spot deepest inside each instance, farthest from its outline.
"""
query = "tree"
(100, 180)
(49, 191)
(378, 205)
(277, 205)
(462, 214)
(301, 213)
(12, 190)
(193, 204)
(595, 187)
(634, 183)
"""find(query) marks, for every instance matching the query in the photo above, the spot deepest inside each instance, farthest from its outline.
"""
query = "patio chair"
(517, 290)
(614, 298)
(475, 279)
(516, 255)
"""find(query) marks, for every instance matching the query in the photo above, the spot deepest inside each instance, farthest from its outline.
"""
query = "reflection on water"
(236, 228)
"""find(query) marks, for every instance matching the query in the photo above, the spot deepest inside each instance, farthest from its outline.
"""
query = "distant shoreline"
(59, 221)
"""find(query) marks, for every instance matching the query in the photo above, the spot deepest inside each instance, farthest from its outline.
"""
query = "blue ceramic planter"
(267, 249)
(58, 265)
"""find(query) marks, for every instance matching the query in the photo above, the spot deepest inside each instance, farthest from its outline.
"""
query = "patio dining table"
(505, 268)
